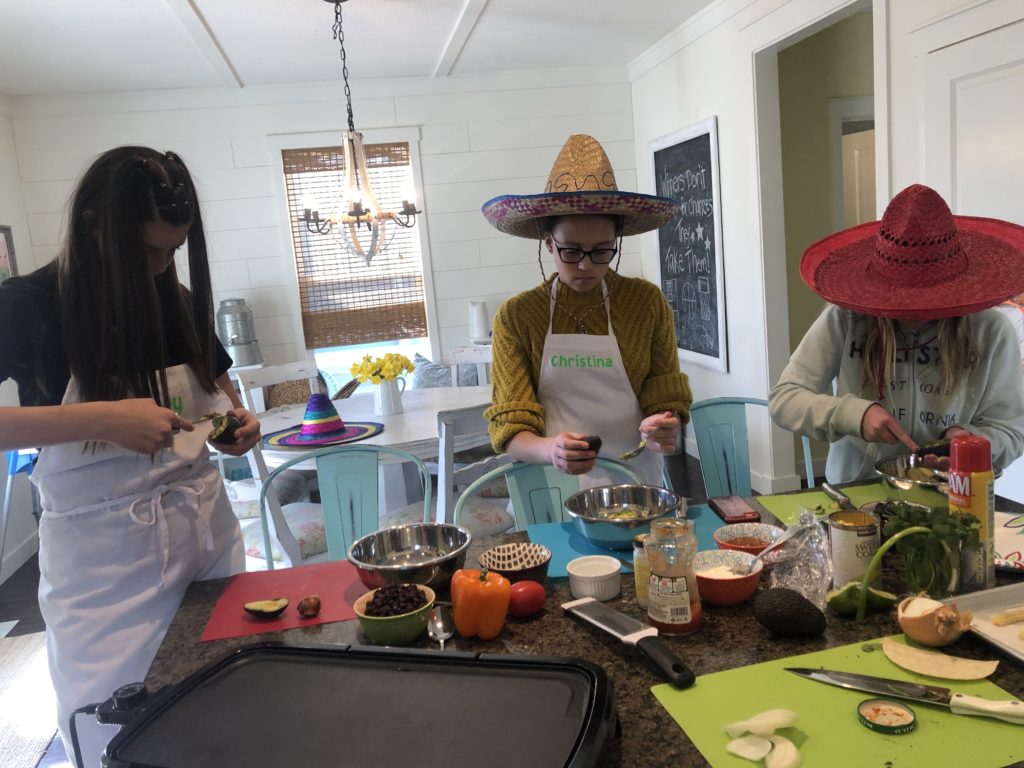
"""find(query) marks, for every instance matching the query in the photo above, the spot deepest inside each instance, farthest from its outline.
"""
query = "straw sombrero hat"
(321, 425)
(581, 182)
(920, 262)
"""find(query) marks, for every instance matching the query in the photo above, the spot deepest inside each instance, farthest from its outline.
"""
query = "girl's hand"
(246, 436)
(660, 430)
(569, 453)
(879, 426)
(139, 424)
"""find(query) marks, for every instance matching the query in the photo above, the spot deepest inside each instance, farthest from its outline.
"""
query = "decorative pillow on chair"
(244, 495)
(483, 517)
(428, 374)
(306, 521)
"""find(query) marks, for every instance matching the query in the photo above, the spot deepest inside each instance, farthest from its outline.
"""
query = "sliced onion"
(763, 724)
(784, 754)
(749, 747)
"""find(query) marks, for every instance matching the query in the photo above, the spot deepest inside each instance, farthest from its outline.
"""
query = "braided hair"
(118, 320)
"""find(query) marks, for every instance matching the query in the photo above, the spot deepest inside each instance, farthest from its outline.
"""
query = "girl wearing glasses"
(588, 351)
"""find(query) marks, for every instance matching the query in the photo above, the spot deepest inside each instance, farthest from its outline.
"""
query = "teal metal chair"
(18, 462)
(348, 480)
(538, 491)
(720, 429)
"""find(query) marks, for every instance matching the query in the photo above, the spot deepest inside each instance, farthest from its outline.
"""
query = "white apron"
(121, 537)
(584, 388)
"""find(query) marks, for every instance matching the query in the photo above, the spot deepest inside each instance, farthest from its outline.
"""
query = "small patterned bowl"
(519, 561)
(725, 588)
(751, 538)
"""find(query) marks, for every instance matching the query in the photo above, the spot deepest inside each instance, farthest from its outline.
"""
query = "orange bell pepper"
(479, 602)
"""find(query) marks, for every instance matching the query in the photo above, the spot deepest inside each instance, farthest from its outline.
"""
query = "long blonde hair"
(957, 351)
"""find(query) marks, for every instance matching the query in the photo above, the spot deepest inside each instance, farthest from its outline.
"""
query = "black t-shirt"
(31, 347)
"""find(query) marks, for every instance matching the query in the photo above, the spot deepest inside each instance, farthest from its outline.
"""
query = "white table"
(414, 430)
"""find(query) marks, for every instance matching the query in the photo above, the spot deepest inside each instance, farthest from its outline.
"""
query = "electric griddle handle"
(670, 665)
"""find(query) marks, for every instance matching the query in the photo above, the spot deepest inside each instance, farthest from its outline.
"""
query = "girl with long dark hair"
(114, 360)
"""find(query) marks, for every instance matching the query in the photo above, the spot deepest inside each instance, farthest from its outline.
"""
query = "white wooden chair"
(459, 424)
(252, 381)
(251, 384)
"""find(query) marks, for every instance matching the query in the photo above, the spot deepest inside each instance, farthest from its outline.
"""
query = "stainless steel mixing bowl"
(419, 553)
(590, 509)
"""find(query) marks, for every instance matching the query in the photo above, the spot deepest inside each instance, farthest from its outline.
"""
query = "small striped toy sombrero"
(581, 182)
(321, 425)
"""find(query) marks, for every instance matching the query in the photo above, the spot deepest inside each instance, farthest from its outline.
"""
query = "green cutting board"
(787, 507)
(828, 732)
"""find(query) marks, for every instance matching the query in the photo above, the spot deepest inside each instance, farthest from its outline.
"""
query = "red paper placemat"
(337, 584)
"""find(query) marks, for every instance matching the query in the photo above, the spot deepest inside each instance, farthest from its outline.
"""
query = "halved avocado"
(222, 429)
(267, 609)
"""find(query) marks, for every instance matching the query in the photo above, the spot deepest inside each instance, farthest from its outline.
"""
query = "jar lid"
(886, 716)
(639, 539)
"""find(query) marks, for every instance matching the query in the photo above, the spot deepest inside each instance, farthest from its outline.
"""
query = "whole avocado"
(788, 613)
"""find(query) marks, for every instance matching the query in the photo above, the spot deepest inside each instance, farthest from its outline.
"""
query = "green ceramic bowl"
(395, 630)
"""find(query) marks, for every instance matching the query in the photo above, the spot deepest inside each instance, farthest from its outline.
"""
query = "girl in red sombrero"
(909, 337)
(588, 351)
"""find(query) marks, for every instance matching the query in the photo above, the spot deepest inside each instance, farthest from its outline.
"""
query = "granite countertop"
(728, 638)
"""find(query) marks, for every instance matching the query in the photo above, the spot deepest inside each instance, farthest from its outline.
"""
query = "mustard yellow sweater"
(642, 321)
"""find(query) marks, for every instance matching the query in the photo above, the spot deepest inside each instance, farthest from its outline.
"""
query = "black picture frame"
(8, 264)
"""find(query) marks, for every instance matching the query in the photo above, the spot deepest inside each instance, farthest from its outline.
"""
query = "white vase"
(387, 397)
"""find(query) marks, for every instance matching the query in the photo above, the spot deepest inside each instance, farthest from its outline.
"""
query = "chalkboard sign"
(690, 246)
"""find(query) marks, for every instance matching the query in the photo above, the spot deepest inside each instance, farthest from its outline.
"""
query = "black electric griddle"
(275, 704)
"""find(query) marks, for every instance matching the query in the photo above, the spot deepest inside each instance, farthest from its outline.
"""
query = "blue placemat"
(567, 544)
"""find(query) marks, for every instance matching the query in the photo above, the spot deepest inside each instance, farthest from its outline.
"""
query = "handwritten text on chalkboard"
(689, 257)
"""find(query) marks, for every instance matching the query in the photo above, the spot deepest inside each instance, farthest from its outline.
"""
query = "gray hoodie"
(989, 400)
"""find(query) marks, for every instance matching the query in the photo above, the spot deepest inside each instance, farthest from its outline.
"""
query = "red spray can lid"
(970, 453)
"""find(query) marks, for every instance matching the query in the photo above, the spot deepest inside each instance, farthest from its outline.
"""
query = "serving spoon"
(441, 624)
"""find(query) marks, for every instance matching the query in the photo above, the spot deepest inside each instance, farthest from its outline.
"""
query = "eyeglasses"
(575, 255)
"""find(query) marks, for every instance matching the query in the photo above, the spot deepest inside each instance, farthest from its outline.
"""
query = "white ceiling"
(63, 46)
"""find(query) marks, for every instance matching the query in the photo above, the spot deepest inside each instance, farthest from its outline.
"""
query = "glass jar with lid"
(673, 606)
(641, 569)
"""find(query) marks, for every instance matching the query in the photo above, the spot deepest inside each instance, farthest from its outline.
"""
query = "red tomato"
(527, 598)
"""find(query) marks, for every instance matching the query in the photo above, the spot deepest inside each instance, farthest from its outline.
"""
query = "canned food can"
(854, 536)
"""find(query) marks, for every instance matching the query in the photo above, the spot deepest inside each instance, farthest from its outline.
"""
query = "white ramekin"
(596, 576)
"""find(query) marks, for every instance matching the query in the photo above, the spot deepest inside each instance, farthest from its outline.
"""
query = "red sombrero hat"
(581, 182)
(920, 262)
(321, 425)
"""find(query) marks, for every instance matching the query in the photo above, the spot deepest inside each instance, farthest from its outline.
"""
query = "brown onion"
(930, 622)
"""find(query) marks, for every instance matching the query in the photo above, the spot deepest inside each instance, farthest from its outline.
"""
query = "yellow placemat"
(828, 732)
(787, 506)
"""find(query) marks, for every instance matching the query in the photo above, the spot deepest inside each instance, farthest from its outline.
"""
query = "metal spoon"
(739, 569)
(634, 452)
(441, 625)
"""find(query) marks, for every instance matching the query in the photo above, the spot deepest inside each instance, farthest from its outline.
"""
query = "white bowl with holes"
(596, 576)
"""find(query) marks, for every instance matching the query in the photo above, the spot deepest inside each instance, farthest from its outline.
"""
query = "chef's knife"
(633, 632)
(958, 703)
(837, 495)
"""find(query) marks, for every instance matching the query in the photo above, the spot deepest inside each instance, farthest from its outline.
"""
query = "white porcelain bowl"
(596, 576)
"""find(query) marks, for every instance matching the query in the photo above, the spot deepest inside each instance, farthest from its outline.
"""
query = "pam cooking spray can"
(971, 491)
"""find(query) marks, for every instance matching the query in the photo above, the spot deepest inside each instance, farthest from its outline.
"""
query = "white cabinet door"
(973, 151)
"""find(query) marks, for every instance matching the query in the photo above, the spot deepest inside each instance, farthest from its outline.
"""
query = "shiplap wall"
(480, 137)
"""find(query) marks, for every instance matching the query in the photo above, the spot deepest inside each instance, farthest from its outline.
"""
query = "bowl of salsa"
(751, 538)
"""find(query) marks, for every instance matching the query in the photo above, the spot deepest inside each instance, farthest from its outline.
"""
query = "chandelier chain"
(339, 35)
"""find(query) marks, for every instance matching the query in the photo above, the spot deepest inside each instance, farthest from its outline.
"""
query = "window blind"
(343, 299)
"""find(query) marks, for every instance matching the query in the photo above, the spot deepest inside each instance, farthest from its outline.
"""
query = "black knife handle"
(670, 665)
